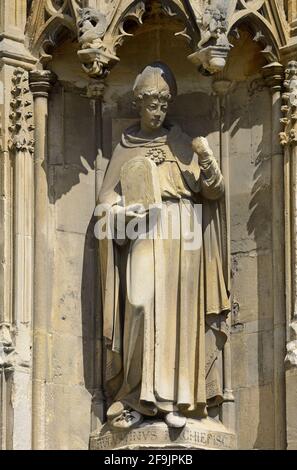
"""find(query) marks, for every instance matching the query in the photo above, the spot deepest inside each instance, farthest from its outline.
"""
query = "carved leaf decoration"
(289, 97)
(293, 98)
(21, 125)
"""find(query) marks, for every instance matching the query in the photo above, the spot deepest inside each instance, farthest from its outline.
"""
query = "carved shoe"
(115, 410)
(126, 420)
(175, 420)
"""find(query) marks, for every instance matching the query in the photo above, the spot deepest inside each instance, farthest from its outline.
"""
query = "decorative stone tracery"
(101, 27)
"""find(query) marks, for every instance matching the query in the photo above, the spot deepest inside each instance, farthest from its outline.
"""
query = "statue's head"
(154, 88)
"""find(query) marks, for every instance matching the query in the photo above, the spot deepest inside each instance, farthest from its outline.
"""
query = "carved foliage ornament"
(289, 139)
(289, 108)
(21, 127)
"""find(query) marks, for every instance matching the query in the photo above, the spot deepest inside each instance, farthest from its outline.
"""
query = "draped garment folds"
(165, 306)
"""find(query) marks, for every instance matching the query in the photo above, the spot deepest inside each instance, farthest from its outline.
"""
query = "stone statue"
(164, 305)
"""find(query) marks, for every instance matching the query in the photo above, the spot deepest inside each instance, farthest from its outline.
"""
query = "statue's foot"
(115, 410)
(175, 420)
(119, 416)
(127, 420)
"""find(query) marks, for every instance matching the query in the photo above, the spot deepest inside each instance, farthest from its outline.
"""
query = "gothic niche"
(160, 121)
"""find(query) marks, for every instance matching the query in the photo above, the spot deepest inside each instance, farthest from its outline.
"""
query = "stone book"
(140, 182)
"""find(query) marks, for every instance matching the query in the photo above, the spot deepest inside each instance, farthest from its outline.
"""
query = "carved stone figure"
(94, 53)
(91, 27)
(164, 301)
(213, 24)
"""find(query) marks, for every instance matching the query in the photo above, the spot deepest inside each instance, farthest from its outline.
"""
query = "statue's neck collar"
(131, 138)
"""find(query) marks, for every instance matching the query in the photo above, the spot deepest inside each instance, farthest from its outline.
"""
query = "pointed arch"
(261, 29)
(47, 18)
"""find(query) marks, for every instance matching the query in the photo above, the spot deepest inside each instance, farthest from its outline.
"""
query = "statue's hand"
(201, 146)
(135, 210)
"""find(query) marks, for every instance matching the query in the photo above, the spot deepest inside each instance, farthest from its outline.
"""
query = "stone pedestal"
(201, 434)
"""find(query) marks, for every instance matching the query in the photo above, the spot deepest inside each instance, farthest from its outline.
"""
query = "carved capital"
(273, 76)
(222, 87)
(95, 89)
(289, 108)
(41, 82)
(211, 58)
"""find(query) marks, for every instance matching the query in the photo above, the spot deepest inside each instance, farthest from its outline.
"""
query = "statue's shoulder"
(118, 149)
(128, 138)
(125, 148)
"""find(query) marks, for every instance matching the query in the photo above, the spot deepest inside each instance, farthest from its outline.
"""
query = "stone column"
(222, 88)
(13, 17)
(15, 310)
(292, 16)
(21, 147)
(95, 93)
(289, 141)
(273, 75)
(40, 85)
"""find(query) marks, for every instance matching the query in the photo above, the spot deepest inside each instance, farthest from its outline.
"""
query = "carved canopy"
(101, 27)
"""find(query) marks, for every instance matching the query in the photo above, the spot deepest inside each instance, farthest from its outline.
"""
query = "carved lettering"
(157, 436)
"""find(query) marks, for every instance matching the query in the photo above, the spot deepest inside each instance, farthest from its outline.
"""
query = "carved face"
(153, 112)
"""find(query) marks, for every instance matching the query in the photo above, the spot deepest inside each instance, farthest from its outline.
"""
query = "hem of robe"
(218, 311)
(151, 409)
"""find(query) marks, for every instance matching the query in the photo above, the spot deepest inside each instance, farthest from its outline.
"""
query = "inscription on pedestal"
(158, 435)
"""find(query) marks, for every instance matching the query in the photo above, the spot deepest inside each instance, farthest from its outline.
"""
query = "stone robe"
(164, 307)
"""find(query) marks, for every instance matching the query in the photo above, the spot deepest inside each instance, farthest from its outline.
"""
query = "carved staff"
(221, 88)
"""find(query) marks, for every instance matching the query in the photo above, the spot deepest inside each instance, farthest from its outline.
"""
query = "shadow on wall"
(72, 150)
(260, 224)
(71, 190)
(253, 111)
(90, 300)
